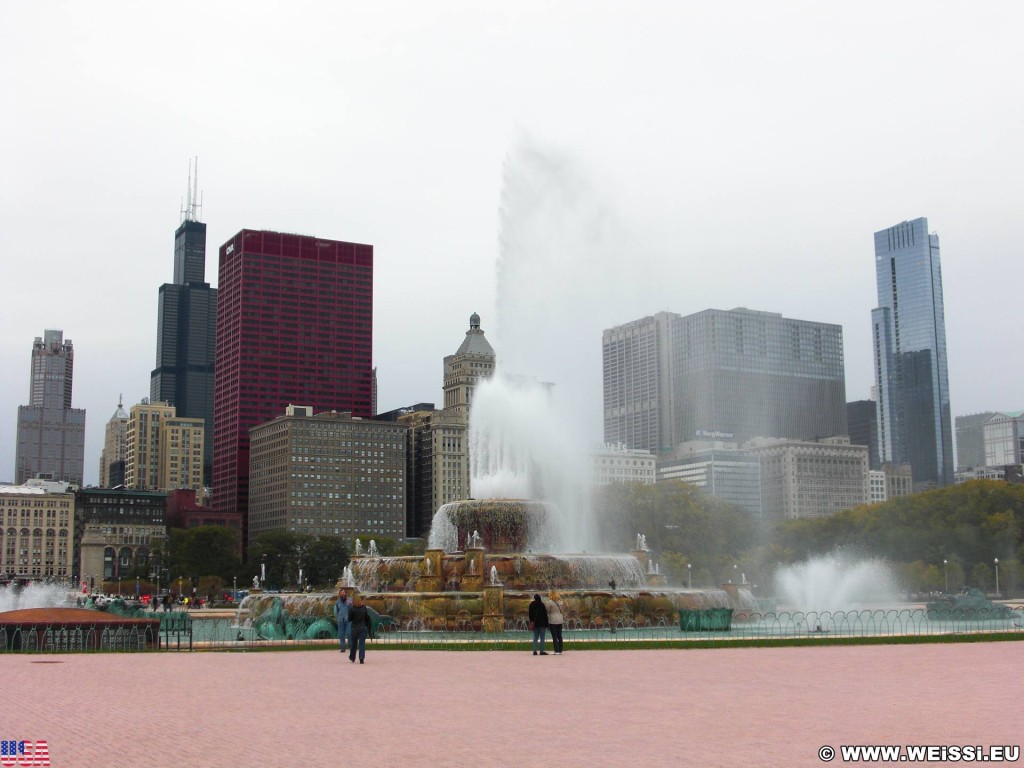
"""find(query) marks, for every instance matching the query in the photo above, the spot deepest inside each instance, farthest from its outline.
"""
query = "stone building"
(810, 478)
(120, 533)
(618, 464)
(327, 474)
(36, 531)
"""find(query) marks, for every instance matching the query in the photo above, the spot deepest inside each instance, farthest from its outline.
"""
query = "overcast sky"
(653, 156)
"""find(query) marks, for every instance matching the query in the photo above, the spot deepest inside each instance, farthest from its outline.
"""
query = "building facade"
(294, 325)
(115, 443)
(909, 332)
(720, 468)
(186, 342)
(899, 480)
(181, 455)
(142, 445)
(970, 439)
(327, 474)
(1004, 439)
(722, 375)
(120, 533)
(811, 479)
(638, 384)
(438, 464)
(36, 531)
(619, 464)
(1010, 473)
(51, 434)
(862, 426)
(474, 360)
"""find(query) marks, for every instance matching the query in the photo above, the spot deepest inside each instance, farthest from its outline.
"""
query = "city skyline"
(711, 164)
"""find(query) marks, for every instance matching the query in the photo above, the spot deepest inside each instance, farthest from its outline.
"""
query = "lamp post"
(735, 573)
(997, 576)
(945, 571)
(689, 573)
(234, 588)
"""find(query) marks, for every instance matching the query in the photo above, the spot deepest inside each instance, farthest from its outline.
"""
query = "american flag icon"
(15, 753)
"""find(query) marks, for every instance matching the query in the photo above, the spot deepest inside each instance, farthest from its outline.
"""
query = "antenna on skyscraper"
(193, 203)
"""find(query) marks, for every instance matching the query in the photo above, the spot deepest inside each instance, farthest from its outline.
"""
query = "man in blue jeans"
(341, 614)
(538, 623)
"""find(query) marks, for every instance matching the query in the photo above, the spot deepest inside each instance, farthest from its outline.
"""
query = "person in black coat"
(359, 627)
(539, 624)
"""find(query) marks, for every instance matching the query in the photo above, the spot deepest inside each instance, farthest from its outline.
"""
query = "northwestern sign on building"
(909, 332)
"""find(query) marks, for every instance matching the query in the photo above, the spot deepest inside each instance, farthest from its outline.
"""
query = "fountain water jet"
(835, 582)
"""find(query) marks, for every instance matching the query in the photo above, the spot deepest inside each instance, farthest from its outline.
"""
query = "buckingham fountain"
(486, 557)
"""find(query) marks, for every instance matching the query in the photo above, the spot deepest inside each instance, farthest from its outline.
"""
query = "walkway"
(718, 707)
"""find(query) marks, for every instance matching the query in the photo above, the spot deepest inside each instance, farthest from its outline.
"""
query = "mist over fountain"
(34, 595)
(836, 582)
(520, 448)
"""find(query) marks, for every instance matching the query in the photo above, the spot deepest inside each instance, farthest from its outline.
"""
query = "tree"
(209, 550)
(282, 552)
(681, 523)
(326, 558)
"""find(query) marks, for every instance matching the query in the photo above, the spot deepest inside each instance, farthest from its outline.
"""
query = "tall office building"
(638, 384)
(142, 445)
(294, 325)
(327, 474)
(187, 331)
(114, 446)
(909, 332)
(722, 375)
(970, 440)
(862, 423)
(51, 434)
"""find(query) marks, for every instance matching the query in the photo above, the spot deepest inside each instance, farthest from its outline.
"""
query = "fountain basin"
(75, 629)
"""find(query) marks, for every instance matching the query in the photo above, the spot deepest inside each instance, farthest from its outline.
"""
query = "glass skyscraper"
(294, 326)
(722, 375)
(186, 336)
(909, 332)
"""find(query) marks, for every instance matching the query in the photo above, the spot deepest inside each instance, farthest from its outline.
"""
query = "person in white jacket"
(555, 620)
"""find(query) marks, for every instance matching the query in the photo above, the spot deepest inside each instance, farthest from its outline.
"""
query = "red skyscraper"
(294, 326)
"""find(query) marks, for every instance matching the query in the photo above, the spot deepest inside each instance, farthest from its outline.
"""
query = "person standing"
(555, 621)
(359, 616)
(341, 610)
(539, 624)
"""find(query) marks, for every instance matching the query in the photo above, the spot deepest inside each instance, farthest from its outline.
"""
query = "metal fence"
(198, 631)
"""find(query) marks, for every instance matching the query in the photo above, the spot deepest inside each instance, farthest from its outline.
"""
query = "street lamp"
(735, 573)
(945, 571)
(997, 576)
(689, 573)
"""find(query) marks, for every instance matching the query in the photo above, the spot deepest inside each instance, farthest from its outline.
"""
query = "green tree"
(326, 558)
(208, 550)
(681, 524)
(282, 552)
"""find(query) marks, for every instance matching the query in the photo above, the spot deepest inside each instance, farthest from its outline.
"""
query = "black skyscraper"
(186, 332)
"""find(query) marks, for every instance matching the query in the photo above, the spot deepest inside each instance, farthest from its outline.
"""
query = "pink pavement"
(690, 707)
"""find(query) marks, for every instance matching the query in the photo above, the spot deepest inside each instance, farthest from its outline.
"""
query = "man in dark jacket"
(359, 626)
(538, 623)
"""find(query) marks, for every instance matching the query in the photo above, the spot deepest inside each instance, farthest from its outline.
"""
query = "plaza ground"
(688, 707)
